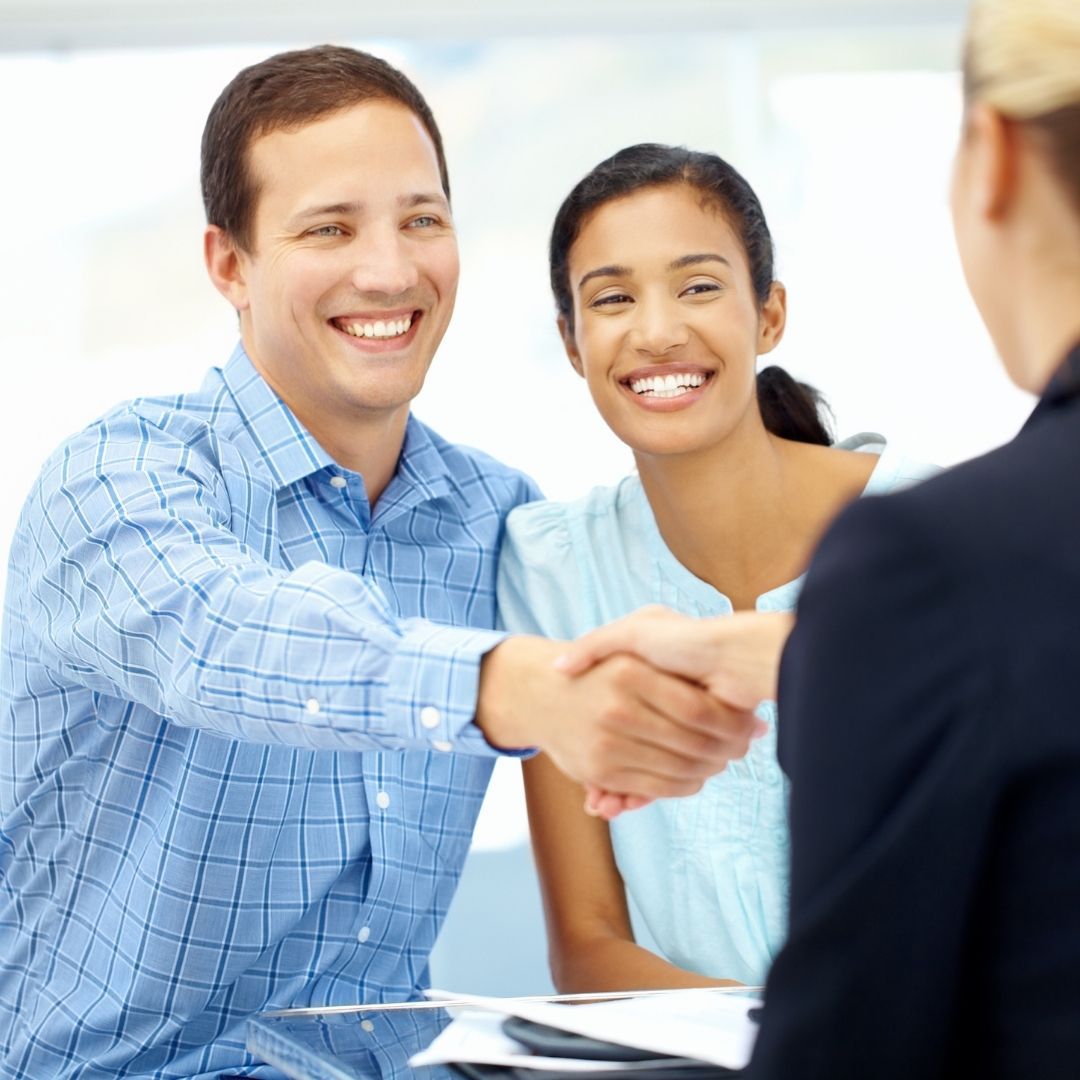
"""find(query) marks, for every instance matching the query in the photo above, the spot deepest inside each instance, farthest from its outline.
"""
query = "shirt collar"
(287, 448)
(291, 452)
(422, 473)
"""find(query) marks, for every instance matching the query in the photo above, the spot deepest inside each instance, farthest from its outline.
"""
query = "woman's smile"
(666, 387)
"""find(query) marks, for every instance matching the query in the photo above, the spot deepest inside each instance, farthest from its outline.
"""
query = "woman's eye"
(699, 288)
(610, 299)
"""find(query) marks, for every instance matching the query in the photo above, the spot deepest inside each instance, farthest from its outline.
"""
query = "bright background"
(842, 114)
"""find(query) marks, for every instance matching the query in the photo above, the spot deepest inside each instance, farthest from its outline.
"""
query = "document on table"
(701, 1025)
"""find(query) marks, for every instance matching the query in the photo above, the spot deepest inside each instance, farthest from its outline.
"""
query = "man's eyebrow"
(692, 260)
(605, 271)
(424, 198)
(326, 210)
(352, 207)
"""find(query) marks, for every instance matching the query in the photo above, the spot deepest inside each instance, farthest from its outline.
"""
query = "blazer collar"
(1064, 384)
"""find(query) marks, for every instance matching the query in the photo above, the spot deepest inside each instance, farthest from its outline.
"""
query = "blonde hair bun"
(1023, 56)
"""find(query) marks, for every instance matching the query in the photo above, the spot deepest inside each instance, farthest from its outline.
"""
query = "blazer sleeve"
(882, 726)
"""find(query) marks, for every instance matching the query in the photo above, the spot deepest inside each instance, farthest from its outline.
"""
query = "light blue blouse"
(708, 873)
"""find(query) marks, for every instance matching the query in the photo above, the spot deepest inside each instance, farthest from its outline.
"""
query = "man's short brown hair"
(286, 92)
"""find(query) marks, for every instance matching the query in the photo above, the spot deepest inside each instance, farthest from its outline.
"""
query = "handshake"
(647, 707)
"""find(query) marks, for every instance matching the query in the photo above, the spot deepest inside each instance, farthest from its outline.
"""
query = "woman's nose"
(659, 328)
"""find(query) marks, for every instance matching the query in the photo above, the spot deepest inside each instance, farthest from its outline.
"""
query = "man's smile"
(379, 331)
(378, 328)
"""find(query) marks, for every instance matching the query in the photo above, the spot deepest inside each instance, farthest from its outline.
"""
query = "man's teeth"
(381, 328)
(668, 385)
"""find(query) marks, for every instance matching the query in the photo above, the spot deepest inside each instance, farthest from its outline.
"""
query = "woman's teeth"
(668, 385)
(381, 328)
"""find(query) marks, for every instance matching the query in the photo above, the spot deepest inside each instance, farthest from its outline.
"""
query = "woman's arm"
(591, 945)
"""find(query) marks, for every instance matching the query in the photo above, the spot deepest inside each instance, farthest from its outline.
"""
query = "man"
(251, 695)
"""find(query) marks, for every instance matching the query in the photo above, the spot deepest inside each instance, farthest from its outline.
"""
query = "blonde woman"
(928, 695)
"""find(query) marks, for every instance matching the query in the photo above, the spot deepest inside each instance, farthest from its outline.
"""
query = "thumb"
(591, 648)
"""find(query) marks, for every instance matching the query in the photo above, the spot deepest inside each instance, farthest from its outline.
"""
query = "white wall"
(845, 128)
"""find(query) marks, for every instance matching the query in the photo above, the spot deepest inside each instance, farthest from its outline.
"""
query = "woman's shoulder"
(557, 525)
(563, 567)
(893, 470)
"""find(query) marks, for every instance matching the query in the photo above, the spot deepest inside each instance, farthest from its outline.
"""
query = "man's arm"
(883, 718)
(131, 578)
(137, 588)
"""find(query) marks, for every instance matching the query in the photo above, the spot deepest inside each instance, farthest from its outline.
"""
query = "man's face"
(350, 281)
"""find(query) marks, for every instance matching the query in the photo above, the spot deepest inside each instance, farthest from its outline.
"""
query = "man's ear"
(772, 319)
(225, 263)
(570, 345)
(991, 145)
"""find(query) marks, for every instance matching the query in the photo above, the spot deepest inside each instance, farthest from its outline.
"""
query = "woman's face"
(667, 328)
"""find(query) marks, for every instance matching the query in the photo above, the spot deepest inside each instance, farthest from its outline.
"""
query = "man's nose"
(659, 327)
(383, 262)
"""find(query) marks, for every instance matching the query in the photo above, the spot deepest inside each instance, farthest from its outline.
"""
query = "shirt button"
(365, 933)
(382, 800)
(338, 481)
(312, 705)
(430, 716)
(367, 1025)
(439, 744)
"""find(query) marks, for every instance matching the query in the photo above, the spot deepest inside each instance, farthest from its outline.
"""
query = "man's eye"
(326, 230)
(424, 221)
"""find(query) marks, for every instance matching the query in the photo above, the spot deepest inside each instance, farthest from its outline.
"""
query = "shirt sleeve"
(137, 587)
(883, 702)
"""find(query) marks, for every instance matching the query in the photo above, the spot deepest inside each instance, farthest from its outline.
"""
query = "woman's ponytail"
(791, 409)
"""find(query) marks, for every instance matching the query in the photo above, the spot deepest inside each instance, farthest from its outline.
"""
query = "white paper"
(704, 1025)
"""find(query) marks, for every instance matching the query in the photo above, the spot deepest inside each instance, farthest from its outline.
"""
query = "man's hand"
(621, 725)
(735, 657)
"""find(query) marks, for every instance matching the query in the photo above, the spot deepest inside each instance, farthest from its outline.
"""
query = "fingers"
(629, 729)
(649, 734)
(736, 657)
(609, 805)
(704, 718)
(622, 636)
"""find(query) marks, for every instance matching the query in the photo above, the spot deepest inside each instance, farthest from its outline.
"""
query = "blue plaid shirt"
(229, 701)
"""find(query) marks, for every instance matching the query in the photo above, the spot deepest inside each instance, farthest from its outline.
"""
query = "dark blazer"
(930, 725)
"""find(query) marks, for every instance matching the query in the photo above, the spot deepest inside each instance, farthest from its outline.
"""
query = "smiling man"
(251, 694)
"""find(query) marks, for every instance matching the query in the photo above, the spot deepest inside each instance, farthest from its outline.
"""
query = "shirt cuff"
(432, 687)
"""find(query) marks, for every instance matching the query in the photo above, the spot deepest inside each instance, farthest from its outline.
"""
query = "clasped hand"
(647, 707)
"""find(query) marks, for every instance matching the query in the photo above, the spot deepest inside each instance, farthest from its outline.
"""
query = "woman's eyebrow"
(692, 260)
(676, 264)
(606, 271)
